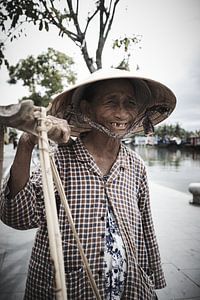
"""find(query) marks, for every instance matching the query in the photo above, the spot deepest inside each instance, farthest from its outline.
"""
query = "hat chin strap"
(101, 128)
(81, 117)
(108, 132)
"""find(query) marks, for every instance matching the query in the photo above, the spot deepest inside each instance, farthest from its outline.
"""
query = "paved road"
(178, 229)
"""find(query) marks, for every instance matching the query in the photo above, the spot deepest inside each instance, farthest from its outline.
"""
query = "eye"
(132, 102)
(110, 101)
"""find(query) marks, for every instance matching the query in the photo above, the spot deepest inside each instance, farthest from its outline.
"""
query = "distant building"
(145, 140)
(151, 140)
(194, 140)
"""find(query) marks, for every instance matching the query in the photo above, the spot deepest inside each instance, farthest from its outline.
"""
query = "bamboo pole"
(15, 116)
(51, 210)
(1, 151)
(64, 201)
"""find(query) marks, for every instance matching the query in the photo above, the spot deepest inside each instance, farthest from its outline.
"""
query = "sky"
(169, 50)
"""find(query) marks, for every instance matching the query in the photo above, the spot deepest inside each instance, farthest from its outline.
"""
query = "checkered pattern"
(86, 191)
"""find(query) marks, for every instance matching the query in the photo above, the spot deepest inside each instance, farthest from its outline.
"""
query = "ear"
(85, 107)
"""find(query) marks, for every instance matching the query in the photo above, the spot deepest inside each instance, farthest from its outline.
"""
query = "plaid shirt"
(127, 191)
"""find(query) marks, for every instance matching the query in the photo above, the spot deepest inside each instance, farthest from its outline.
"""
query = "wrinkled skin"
(113, 106)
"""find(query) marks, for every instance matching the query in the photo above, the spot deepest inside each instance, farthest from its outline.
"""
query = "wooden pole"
(51, 210)
(16, 116)
(1, 151)
(64, 201)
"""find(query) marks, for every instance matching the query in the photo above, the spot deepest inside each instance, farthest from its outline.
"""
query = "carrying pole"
(1, 151)
(64, 202)
(16, 116)
(51, 210)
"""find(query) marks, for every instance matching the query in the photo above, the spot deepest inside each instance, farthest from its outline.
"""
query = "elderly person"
(105, 185)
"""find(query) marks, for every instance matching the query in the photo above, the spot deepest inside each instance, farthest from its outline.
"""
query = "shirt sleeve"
(155, 271)
(26, 209)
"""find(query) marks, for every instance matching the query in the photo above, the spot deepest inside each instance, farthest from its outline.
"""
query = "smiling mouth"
(119, 125)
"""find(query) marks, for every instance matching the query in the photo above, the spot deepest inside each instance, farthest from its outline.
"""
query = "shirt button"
(103, 235)
(102, 218)
(102, 253)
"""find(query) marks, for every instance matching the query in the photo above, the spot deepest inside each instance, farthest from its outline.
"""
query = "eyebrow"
(115, 95)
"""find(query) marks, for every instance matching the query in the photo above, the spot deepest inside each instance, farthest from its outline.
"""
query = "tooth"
(119, 125)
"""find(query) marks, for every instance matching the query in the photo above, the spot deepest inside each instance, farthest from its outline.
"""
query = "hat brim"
(160, 105)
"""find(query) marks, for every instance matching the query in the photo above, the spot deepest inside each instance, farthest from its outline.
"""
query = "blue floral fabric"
(115, 260)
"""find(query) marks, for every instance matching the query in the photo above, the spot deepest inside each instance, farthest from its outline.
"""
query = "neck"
(100, 144)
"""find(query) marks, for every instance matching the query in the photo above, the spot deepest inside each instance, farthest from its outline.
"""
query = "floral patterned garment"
(115, 260)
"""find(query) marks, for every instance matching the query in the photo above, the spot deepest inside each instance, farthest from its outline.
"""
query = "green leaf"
(47, 74)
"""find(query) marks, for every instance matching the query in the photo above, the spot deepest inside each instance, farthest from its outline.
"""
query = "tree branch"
(77, 7)
(58, 23)
(75, 20)
(45, 13)
(81, 36)
(88, 60)
(101, 41)
(111, 19)
(89, 20)
(103, 32)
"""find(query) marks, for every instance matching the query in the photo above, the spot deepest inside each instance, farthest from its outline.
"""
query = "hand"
(58, 129)
(25, 115)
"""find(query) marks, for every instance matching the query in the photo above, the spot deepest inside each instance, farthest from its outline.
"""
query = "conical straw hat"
(160, 100)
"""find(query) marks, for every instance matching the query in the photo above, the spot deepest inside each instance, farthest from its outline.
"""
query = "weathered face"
(113, 105)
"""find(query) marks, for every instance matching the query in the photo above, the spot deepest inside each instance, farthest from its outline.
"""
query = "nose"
(121, 111)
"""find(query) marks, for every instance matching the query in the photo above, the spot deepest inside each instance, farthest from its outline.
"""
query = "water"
(171, 167)
(174, 168)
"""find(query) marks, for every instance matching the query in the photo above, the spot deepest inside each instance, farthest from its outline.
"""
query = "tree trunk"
(99, 53)
(89, 62)
(1, 151)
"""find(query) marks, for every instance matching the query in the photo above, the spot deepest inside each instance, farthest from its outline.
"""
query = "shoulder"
(63, 152)
(133, 156)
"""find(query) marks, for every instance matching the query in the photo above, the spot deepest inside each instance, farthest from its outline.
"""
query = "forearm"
(20, 212)
(20, 170)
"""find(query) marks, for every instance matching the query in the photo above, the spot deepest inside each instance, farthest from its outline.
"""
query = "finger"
(64, 137)
(59, 135)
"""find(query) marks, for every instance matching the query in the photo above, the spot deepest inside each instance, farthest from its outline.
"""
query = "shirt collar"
(83, 155)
